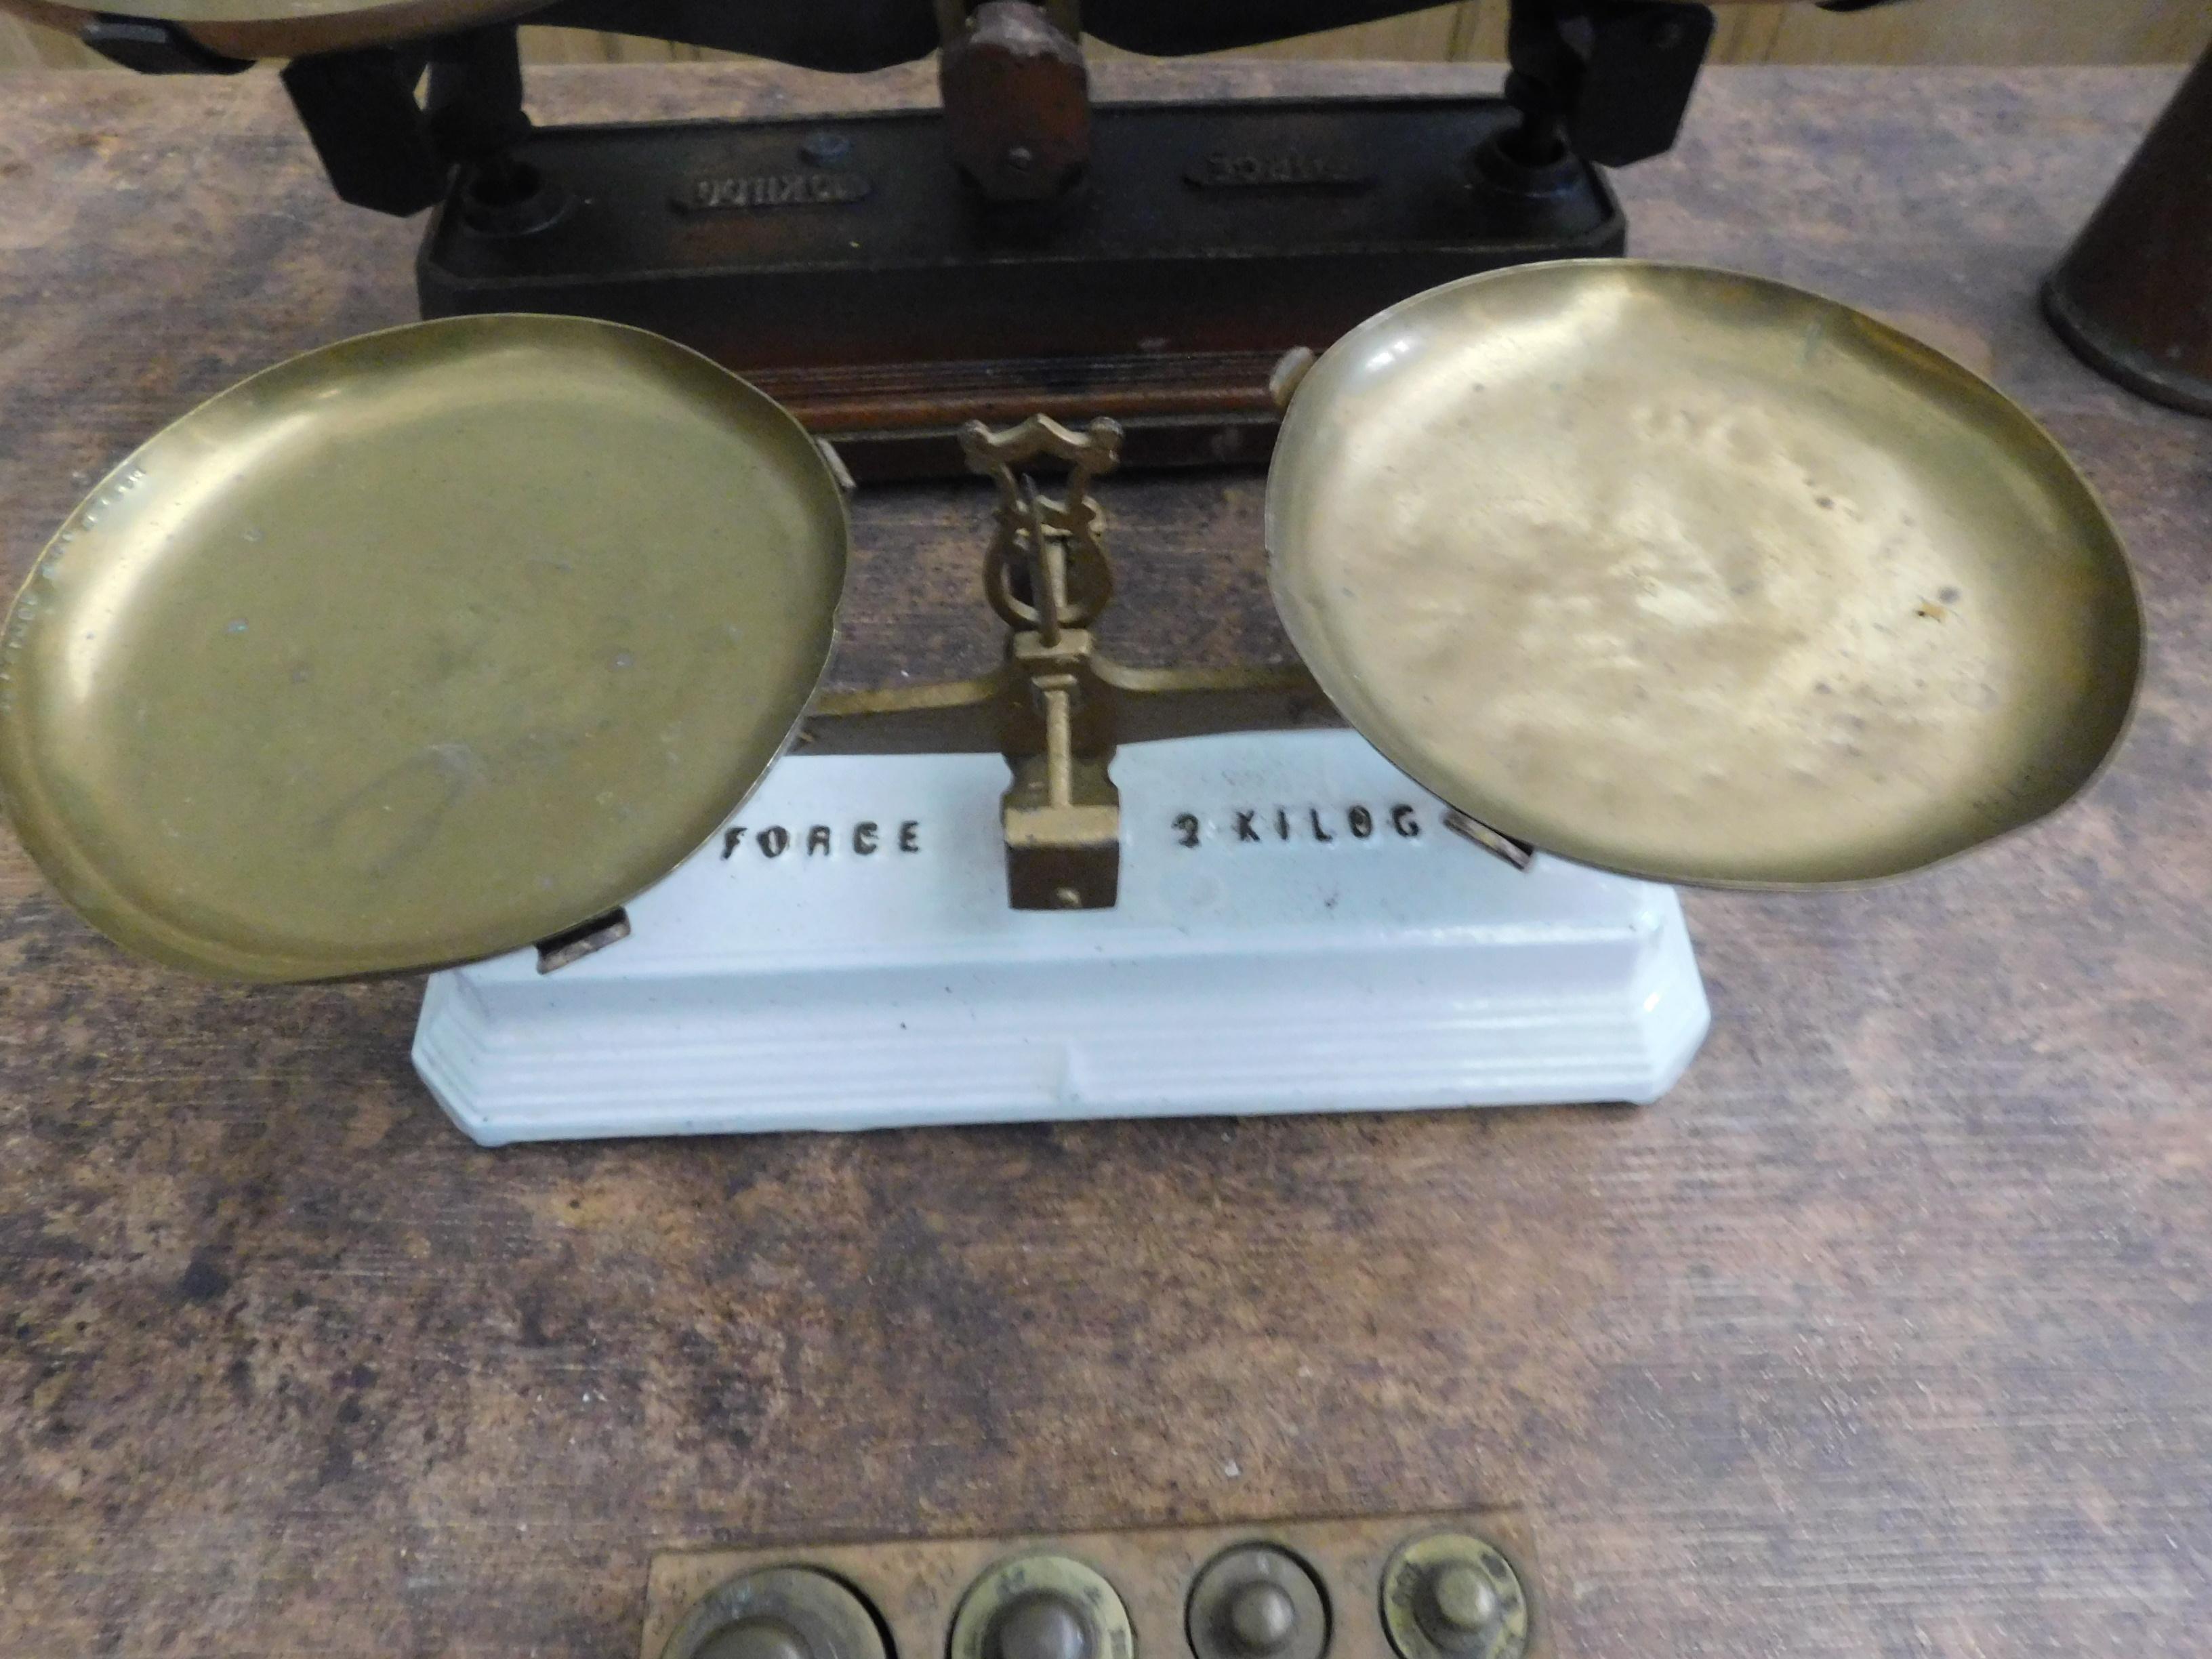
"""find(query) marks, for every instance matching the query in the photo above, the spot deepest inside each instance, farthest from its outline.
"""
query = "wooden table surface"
(1887, 1333)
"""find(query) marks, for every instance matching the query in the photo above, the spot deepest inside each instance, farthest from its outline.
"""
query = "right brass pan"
(1696, 576)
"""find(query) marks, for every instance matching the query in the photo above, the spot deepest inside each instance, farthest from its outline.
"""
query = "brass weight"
(778, 1612)
(1258, 1602)
(1041, 1606)
(1454, 1596)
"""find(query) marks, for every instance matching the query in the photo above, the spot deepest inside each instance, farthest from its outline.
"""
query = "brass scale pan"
(433, 643)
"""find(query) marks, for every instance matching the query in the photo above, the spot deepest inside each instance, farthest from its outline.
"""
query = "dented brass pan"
(416, 648)
(1698, 576)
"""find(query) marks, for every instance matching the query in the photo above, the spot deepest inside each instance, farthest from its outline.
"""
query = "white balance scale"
(1298, 930)
(492, 645)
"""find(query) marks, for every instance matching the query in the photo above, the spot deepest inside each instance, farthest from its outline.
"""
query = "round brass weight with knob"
(780, 1613)
(1453, 1595)
(1042, 1607)
(1257, 1602)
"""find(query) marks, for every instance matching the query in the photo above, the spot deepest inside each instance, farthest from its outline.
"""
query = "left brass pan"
(417, 648)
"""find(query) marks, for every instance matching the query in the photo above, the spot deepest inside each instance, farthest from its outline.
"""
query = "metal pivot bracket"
(1058, 706)
(385, 150)
(1016, 96)
(1608, 80)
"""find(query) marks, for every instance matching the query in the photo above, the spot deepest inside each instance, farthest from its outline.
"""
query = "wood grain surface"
(1887, 1333)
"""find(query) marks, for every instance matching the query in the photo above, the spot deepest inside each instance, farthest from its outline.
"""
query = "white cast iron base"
(842, 957)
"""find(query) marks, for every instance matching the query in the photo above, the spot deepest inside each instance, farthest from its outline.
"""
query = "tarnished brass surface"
(1257, 1602)
(922, 1588)
(1452, 1594)
(963, 716)
(1698, 576)
(778, 1612)
(1042, 1604)
(418, 648)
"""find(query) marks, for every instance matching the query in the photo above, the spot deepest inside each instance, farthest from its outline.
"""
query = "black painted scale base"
(848, 269)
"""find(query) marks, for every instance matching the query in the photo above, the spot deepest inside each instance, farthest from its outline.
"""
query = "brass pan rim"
(258, 29)
(1319, 657)
(45, 831)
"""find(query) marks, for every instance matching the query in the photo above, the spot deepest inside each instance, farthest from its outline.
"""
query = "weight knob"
(1041, 1606)
(755, 1639)
(779, 1612)
(1453, 1595)
(1257, 1602)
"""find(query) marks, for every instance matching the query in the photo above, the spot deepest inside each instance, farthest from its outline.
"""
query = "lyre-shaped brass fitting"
(1058, 706)
(1046, 572)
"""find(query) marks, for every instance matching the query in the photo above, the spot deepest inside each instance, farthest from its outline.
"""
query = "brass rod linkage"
(1058, 695)
(1058, 707)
